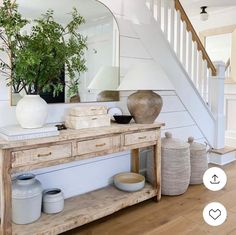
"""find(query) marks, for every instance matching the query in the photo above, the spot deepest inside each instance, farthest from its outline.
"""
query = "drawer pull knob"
(45, 155)
(93, 109)
(142, 137)
(100, 145)
(94, 118)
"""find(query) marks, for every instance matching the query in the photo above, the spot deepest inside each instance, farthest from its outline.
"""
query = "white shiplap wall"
(83, 176)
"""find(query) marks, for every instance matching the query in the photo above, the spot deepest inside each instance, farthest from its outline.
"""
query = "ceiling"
(192, 7)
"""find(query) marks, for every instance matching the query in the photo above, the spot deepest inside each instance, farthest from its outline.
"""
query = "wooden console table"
(72, 145)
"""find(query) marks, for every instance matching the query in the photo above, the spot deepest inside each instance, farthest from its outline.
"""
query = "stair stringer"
(156, 44)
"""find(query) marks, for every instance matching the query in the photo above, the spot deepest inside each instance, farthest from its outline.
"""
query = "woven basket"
(199, 162)
(175, 166)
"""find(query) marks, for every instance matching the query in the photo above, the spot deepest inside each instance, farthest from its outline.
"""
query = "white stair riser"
(221, 160)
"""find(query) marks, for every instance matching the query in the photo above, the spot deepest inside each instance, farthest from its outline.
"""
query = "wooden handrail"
(227, 64)
(195, 36)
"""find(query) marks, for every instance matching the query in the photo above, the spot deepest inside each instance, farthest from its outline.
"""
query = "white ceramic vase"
(26, 199)
(31, 111)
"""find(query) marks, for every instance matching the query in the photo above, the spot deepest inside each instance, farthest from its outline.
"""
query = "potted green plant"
(37, 58)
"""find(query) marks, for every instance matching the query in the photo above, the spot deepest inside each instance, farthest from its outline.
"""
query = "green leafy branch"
(37, 59)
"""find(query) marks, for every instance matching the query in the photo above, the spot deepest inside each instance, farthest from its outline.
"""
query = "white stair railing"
(185, 42)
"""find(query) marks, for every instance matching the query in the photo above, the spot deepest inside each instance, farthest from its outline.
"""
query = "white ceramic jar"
(53, 201)
(26, 199)
(31, 111)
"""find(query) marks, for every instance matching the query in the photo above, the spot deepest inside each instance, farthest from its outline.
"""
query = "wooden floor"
(181, 215)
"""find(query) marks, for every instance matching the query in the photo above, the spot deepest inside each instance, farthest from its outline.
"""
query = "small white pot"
(53, 201)
(31, 111)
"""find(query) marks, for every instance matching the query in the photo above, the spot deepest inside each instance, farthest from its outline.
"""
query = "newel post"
(217, 104)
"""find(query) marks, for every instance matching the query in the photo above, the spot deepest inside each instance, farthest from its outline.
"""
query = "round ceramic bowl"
(129, 182)
(122, 119)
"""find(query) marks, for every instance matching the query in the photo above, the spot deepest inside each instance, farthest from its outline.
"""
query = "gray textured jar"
(199, 161)
(26, 199)
(175, 165)
(53, 201)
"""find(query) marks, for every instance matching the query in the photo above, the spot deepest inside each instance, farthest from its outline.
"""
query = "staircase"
(162, 32)
(175, 45)
(184, 40)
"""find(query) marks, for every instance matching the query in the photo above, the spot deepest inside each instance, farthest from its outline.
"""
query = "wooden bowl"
(129, 182)
(122, 119)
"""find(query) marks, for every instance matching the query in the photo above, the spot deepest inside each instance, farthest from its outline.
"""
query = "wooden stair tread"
(224, 150)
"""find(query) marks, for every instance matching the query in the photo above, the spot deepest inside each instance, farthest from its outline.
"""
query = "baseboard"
(222, 159)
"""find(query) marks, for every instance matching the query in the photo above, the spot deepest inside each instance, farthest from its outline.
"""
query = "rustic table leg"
(5, 190)
(157, 168)
(135, 160)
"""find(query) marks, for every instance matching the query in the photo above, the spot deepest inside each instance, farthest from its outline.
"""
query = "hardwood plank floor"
(181, 215)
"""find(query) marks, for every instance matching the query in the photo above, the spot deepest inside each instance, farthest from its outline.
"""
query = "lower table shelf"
(85, 208)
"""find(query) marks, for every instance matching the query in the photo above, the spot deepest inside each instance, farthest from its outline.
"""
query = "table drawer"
(140, 137)
(93, 146)
(38, 155)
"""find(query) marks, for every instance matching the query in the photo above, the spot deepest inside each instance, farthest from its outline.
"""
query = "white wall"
(230, 114)
(80, 177)
(219, 47)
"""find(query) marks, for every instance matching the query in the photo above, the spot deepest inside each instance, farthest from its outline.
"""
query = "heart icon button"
(215, 214)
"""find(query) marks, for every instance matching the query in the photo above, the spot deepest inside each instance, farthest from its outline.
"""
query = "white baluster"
(209, 76)
(205, 81)
(154, 13)
(200, 67)
(190, 53)
(166, 16)
(195, 60)
(148, 3)
(152, 6)
(183, 44)
(158, 3)
(178, 33)
(172, 23)
(162, 21)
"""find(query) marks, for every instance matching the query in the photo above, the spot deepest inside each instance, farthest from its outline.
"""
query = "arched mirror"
(101, 55)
